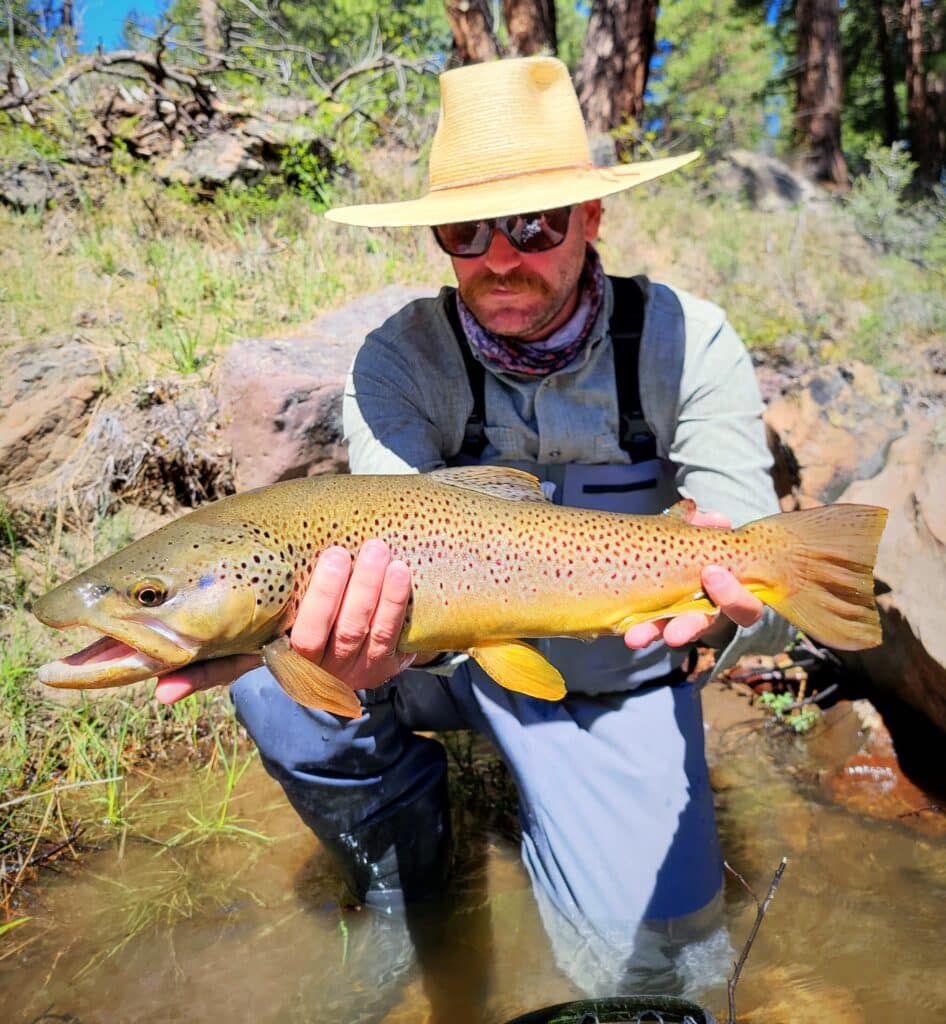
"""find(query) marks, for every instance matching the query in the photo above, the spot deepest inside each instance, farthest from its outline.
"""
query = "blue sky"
(103, 19)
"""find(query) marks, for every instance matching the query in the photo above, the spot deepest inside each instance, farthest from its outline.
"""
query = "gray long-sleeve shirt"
(408, 399)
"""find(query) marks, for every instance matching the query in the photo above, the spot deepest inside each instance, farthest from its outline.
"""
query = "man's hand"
(737, 607)
(349, 622)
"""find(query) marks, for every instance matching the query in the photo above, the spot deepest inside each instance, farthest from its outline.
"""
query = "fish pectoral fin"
(699, 602)
(307, 683)
(520, 667)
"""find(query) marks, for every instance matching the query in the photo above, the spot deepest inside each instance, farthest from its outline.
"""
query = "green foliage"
(887, 216)
(571, 22)
(799, 720)
(303, 171)
(716, 62)
(337, 52)
(26, 143)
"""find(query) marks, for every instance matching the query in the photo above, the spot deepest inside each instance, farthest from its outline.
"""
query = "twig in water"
(59, 789)
(761, 908)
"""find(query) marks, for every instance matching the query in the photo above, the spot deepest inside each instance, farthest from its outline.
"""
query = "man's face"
(528, 295)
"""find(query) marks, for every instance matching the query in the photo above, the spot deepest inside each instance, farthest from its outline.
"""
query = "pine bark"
(818, 107)
(619, 45)
(926, 91)
(210, 28)
(471, 23)
(531, 26)
(891, 112)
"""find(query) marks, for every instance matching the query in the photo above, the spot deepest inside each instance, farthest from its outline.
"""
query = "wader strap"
(474, 437)
(625, 327)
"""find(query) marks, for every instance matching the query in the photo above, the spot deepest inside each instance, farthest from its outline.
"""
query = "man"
(529, 366)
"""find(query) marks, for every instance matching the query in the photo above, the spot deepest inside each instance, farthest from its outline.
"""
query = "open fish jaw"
(106, 662)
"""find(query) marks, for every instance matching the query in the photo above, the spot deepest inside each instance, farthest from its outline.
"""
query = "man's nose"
(502, 256)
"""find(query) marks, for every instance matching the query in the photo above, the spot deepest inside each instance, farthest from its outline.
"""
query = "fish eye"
(149, 593)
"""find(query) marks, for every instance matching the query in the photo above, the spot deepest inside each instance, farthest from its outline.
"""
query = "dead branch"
(761, 908)
(153, 64)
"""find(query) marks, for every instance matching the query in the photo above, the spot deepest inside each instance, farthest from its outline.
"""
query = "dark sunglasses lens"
(536, 232)
(468, 238)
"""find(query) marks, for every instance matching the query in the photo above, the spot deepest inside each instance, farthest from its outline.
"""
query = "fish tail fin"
(829, 592)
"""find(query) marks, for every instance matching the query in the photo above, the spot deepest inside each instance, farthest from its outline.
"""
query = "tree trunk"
(531, 26)
(926, 91)
(619, 44)
(818, 110)
(67, 19)
(472, 26)
(210, 28)
(891, 114)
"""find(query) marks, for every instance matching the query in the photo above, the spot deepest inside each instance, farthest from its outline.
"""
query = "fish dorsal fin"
(499, 481)
(681, 510)
(520, 667)
(307, 683)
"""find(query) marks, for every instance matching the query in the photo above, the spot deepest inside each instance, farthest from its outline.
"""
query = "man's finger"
(388, 619)
(644, 633)
(710, 518)
(360, 601)
(685, 628)
(731, 597)
(321, 602)
(203, 676)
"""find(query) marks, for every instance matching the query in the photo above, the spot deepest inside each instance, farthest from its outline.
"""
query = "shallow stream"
(241, 928)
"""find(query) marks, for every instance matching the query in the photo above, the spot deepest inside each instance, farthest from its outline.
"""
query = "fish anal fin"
(307, 683)
(519, 666)
(698, 602)
(498, 481)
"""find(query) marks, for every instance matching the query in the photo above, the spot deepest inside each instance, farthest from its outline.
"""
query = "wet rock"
(910, 666)
(870, 780)
(832, 426)
(280, 398)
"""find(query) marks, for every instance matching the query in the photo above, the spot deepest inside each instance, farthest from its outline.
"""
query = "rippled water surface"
(242, 928)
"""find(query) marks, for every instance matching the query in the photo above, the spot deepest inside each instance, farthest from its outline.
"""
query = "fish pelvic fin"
(682, 510)
(830, 592)
(498, 481)
(518, 666)
(307, 683)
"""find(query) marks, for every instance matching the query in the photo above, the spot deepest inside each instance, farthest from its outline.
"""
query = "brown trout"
(492, 562)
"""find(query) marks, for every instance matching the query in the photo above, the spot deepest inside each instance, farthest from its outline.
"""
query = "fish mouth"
(113, 661)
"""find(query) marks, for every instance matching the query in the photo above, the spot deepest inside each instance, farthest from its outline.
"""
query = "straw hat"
(511, 139)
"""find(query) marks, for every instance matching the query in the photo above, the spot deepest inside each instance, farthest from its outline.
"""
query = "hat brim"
(502, 197)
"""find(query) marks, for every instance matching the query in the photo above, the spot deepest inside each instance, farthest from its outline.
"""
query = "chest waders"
(615, 805)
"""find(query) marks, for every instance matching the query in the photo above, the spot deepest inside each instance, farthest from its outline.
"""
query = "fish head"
(188, 592)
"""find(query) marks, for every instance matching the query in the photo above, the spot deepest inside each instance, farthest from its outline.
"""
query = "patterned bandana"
(540, 358)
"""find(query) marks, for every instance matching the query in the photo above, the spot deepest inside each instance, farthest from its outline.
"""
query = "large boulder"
(47, 391)
(910, 666)
(831, 426)
(766, 182)
(71, 448)
(280, 398)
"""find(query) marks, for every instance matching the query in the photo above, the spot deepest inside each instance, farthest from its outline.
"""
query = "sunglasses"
(527, 232)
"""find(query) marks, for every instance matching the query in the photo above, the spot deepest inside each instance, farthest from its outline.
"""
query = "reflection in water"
(245, 929)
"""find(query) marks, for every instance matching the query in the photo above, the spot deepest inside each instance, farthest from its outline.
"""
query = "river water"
(163, 926)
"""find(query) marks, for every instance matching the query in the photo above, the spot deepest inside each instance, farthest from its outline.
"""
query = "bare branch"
(761, 908)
